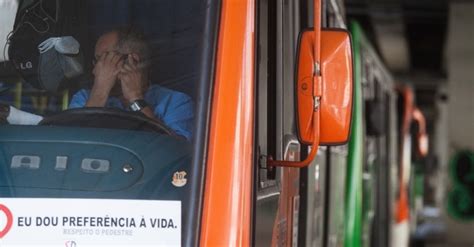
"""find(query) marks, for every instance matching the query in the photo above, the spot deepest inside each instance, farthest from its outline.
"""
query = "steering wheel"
(111, 118)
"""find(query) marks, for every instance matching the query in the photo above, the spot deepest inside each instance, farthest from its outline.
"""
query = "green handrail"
(354, 188)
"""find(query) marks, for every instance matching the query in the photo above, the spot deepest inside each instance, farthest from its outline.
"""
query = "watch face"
(138, 105)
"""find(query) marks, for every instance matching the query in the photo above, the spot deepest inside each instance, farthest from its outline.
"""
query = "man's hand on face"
(106, 70)
(131, 78)
(105, 74)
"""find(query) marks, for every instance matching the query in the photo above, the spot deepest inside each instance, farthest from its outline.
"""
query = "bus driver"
(121, 80)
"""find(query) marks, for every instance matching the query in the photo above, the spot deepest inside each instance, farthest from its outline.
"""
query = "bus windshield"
(99, 101)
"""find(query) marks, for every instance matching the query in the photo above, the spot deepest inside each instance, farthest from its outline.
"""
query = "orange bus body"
(226, 215)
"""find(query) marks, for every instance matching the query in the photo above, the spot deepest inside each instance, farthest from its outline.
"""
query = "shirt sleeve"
(79, 99)
(179, 114)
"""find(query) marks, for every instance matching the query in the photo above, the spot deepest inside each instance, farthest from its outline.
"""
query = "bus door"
(277, 197)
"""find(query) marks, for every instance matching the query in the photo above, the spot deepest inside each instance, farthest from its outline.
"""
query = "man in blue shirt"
(121, 80)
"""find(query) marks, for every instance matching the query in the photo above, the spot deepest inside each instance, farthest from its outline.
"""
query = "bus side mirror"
(331, 95)
(422, 136)
(323, 92)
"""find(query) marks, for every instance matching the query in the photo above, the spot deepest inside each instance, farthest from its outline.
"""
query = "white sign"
(89, 222)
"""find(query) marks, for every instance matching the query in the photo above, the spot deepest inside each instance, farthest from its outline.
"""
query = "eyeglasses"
(96, 59)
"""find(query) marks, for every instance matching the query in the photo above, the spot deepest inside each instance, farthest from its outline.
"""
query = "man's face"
(108, 43)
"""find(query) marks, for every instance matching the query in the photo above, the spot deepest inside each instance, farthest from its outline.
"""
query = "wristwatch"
(138, 105)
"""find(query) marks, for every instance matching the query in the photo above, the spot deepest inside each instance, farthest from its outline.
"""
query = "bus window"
(122, 88)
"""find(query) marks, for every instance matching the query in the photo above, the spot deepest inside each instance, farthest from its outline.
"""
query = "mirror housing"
(331, 95)
(323, 91)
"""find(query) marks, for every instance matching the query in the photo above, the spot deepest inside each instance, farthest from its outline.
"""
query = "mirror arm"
(317, 31)
(311, 155)
(420, 119)
(422, 135)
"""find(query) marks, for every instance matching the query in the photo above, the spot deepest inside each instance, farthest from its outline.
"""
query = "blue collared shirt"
(175, 109)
